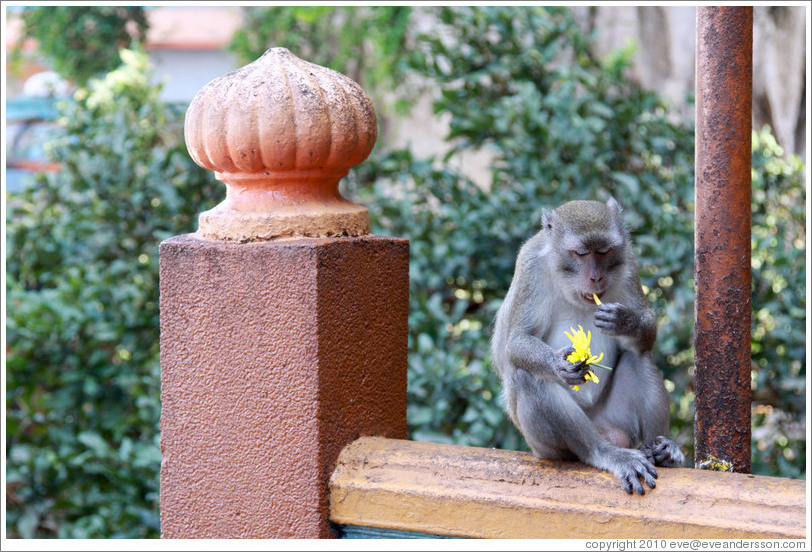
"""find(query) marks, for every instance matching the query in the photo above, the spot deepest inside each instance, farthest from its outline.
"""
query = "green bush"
(81, 42)
(82, 297)
(564, 124)
(560, 124)
(779, 309)
(367, 43)
(83, 379)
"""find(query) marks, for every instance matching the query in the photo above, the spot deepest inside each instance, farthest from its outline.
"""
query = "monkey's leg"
(637, 404)
(556, 427)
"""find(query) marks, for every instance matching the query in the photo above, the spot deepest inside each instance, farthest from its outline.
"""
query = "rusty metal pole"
(724, 75)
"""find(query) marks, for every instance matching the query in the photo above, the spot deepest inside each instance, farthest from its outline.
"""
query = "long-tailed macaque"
(583, 252)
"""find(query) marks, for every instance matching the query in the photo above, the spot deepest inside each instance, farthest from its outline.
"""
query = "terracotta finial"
(280, 133)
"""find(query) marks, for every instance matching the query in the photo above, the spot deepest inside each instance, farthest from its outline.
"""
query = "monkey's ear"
(547, 218)
(613, 204)
(614, 208)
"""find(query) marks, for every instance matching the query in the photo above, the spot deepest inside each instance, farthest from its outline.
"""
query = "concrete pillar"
(283, 322)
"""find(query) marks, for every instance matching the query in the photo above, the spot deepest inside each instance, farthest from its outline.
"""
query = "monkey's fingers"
(657, 450)
(666, 452)
(575, 374)
(613, 318)
(631, 484)
(627, 484)
(630, 466)
(648, 450)
(605, 321)
(582, 369)
(648, 473)
(573, 377)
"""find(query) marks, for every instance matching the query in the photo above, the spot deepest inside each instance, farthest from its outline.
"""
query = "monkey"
(619, 424)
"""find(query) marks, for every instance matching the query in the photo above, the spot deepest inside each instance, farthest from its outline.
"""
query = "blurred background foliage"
(521, 83)
(83, 379)
(81, 42)
(367, 43)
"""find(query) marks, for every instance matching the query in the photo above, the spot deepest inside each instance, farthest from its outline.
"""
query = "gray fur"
(583, 248)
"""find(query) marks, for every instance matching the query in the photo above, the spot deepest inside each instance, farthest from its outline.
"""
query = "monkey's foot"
(630, 466)
(662, 451)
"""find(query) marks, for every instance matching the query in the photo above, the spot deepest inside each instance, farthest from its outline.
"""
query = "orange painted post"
(283, 322)
(722, 237)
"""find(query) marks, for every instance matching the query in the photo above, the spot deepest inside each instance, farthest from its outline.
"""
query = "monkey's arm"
(533, 355)
(523, 317)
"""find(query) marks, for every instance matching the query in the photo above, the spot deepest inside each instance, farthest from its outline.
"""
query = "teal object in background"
(361, 532)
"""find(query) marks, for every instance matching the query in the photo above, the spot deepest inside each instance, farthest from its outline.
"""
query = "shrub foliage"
(562, 123)
(366, 43)
(81, 42)
(83, 385)
(559, 123)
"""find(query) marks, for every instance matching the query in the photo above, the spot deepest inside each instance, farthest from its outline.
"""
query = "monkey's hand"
(630, 466)
(616, 319)
(638, 328)
(662, 451)
(572, 373)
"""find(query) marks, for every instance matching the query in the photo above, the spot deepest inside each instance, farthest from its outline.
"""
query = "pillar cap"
(280, 133)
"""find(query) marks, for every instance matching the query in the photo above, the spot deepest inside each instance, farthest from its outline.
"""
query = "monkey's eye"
(605, 251)
(579, 252)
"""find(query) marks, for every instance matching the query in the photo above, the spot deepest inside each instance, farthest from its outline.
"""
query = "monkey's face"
(591, 248)
(588, 269)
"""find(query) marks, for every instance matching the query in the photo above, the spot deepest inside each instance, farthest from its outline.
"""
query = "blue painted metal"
(27, 108)
(360, 532)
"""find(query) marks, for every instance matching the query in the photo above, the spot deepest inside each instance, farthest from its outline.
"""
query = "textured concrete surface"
(488, 493)
(274, 356)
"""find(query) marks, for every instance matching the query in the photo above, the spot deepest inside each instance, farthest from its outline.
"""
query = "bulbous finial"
(280, 133)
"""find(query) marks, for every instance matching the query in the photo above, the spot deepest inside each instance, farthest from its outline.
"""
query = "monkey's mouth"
(589, 299)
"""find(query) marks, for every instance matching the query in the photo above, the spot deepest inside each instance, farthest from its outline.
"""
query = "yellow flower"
(589, 376)
(580, 342)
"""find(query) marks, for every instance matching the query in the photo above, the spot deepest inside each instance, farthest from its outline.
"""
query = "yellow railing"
(488, 493)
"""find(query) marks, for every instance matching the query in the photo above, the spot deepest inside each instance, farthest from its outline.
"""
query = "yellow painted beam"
(489, 493)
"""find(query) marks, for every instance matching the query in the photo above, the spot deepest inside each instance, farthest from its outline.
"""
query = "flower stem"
(601, 366)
